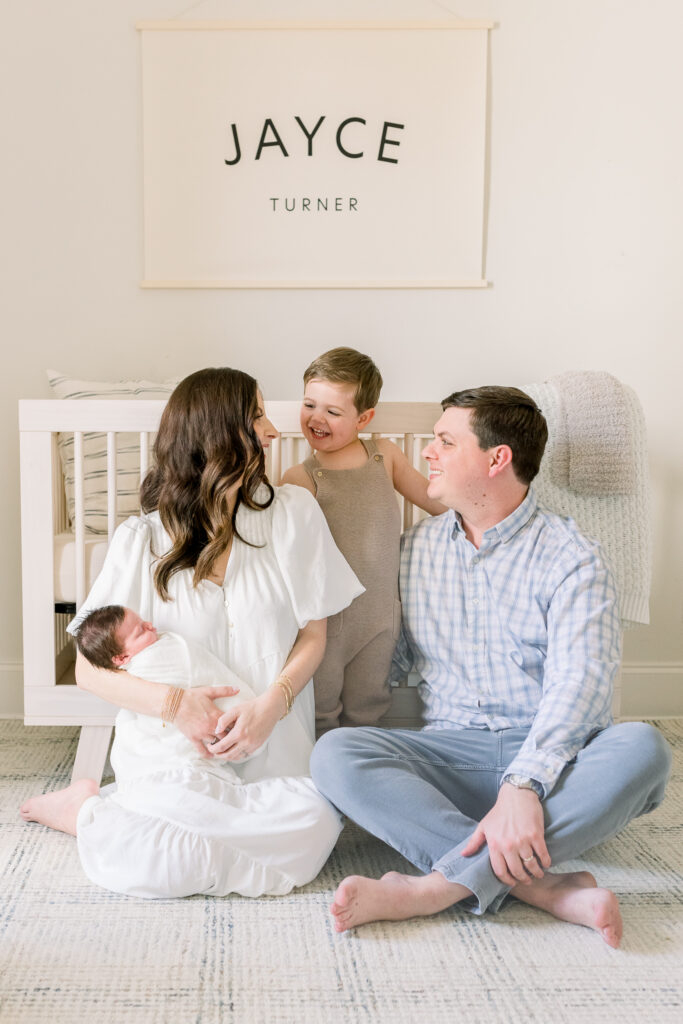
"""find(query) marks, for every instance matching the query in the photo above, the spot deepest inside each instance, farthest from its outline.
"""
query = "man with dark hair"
(510, 619)
(505, 416)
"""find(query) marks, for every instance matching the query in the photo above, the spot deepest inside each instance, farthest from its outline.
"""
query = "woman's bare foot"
(60, 809)
(393, 897)
(575, 897)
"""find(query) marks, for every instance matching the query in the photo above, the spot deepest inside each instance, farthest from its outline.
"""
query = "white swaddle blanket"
(142, 744)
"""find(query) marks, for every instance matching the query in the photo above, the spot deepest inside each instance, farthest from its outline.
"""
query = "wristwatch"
(523, 782)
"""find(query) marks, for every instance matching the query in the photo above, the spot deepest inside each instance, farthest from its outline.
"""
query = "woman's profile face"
(263, 428)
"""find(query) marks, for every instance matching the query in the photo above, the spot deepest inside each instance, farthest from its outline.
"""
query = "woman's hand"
(247, 726)
(198, 717)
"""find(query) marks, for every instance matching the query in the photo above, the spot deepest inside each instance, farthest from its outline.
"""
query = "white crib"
(50, 597)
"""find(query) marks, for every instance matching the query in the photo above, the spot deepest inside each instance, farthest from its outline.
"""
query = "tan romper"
(360, 505)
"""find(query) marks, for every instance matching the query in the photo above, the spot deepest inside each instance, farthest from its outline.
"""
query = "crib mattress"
(65, 564)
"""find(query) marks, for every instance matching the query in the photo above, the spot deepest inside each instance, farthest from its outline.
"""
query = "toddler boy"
(354, 482)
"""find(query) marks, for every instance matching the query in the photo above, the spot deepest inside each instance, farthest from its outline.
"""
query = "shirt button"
(320, 472)
(475, 561)
(377, 458)
(475, 600)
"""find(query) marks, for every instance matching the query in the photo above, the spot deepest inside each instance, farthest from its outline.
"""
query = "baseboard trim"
(653, 690)
(11, 689)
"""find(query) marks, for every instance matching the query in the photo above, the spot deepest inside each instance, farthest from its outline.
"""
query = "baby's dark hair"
(96, 636)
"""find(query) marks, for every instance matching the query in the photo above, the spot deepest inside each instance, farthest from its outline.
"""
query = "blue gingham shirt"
(523, 632)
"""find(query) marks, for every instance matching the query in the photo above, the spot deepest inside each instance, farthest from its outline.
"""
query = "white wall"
(585, 221)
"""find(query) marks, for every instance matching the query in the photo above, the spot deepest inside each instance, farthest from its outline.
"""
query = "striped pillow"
(95, 450)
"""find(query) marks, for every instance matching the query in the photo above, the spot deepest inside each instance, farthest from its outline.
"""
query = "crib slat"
(302, 450)
(79, 513)
(61, 522)
(111, 484)
(286, 455)
(416, 460)
(408, 510)
(275, 460)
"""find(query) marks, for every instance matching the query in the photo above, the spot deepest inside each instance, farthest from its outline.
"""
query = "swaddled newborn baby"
(115, 637)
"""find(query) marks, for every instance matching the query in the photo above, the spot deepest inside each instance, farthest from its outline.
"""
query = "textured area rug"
(72, 952)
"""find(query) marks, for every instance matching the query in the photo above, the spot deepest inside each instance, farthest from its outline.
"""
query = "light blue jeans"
(424, 792)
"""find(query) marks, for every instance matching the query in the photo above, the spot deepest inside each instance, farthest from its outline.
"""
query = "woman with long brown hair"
(251, 572)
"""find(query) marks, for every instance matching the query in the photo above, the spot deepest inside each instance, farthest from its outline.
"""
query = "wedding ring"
(525, 860)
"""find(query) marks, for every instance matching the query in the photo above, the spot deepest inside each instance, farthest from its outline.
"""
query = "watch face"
(522, 782)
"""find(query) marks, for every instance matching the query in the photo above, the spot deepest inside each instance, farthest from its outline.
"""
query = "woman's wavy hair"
(206, 443)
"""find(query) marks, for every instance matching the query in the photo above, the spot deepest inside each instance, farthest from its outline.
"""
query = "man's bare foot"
(60, 809)
(393, 897)
(575, 897)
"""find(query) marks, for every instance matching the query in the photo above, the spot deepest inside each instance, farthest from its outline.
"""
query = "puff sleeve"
(125, 577)
(318, 578)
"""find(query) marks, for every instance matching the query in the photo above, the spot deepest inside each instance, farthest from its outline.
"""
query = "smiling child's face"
(329, 418)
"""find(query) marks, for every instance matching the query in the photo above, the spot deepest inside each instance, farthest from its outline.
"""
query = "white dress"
(188, 830)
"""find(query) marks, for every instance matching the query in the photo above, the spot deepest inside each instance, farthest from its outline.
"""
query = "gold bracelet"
(180, 693)
(285, 684)
(172, 702)
(287, 693)
(284, 678)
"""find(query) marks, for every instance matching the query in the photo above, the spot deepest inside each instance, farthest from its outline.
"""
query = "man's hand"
(514, 831)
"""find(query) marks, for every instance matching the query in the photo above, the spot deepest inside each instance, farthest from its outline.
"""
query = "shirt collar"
(506, 528)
